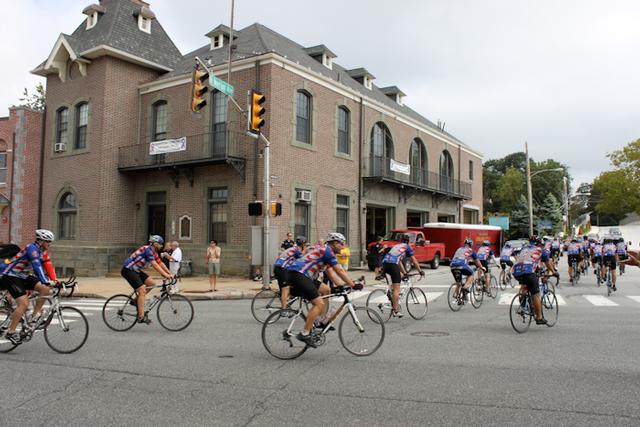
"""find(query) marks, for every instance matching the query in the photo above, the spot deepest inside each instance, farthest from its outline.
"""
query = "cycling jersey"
(48, 266)
(484, 253)
(597, 250)
(621, 248)
(506, 254)
(573, 249)
(398, 253)
(555, 244)
(529, 259)
(287, 257)
(141, 258)
(314, 261)
(28, 259)
(585, 246)
(462, 256)
(610, 249)
(547, 246)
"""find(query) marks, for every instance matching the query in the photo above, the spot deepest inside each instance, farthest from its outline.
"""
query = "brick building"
(20, 153)
(346, 154)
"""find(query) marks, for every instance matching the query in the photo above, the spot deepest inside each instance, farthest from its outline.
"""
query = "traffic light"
(276, 208)
(256, 111)
(199, 88)
(255, 209)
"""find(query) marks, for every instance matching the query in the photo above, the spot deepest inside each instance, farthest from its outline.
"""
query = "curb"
(236, 295)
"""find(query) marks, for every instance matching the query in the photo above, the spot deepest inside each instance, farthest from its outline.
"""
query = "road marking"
(432, 296)
(635, 298)
(505, 299)
(600, 300)
(561, 300)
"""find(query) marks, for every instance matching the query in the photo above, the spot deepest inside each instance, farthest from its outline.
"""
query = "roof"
(392, 90)
(220, 29)
(117, 28)
(320, 50)
(257, 39)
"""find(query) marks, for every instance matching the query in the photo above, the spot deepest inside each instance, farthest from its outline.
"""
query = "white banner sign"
(168, 146)
(400, 167)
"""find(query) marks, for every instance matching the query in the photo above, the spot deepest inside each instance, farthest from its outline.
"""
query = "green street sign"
(221, 85)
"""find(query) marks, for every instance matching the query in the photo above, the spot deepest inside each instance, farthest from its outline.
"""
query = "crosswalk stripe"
(505, 299)
(561, 300)
(635, 298)
(600, 300)
(432, 296)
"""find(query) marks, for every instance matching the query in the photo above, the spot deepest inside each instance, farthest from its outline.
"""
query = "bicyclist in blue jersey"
(596, 254)
(25, 272)
(574, 254)
(610, 259)
(287, 256)
(485, 254)
(505, 256)
(393, 265)
(555, 247)
(460, 265)
(524, 270)
(302, 277)
(621, 251)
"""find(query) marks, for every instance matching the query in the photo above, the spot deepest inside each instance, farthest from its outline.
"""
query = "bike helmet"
(45, 235)
(405, 238)
(468, 242)
(301, 240)
(485, 243)
(335, 237)
(535, 240)
(574, 240)
(608, 239)
(156, 239)
(507, 245)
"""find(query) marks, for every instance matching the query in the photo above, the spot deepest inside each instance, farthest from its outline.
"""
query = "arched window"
(418, 161)
(159, 120)
(62, 131)
(303, 117)
(82, 120)
(381, 149)
(344, 130)
(67, 213)
(446, 171)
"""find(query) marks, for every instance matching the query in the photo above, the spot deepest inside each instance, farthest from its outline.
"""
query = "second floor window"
(159, 121)
(82, 120)
(3, 167)
(303, 117)
(344, 122)
(62, 125)
(219, 122)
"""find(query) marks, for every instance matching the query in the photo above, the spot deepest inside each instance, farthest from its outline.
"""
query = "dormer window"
(322, 54)
(144, 24)
(327, 61)
(362, 76)
(368, 83)
(217, 41)
(92, 20)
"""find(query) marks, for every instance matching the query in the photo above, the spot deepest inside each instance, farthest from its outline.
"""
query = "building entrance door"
(157, 213)
(376, 223)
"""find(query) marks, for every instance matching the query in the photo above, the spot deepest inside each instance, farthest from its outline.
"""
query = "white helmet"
(154, 238)
(335, 237)
(45, 235)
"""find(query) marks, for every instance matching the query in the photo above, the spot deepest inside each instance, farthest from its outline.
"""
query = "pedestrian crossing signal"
(256, 111)
(276, 208)
(198, 89)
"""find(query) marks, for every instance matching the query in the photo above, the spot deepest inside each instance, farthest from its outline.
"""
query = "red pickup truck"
(424, 251)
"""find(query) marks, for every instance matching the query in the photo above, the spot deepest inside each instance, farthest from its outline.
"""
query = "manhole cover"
(428, 334)
(226, 356)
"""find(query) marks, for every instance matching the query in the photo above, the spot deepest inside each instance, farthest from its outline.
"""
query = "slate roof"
(257, 39)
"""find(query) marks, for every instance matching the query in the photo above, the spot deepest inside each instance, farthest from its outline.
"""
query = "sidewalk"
(197, 288)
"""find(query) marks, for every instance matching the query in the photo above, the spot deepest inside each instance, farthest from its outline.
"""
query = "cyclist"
(555, 248)
(610, 259)
(138, 279)
(524, 269)
(302, 272)
(17, 281)
(484, 254)
(505, 256)
(460, 265)
(393, 265)
(574, 255)
(282, 262)
(621, 251)
(596, 252)
(584, 263)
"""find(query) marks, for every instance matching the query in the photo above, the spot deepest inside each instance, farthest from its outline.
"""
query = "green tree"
(35, 101)
(509, 189)
(616, 194)
(551, 210)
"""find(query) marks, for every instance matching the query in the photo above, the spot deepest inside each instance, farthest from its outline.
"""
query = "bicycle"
(575, 277)
(60, 324)
(359, 335)
(505, 277)
(415, 299)
(521, 311)
(492, 290)
(267, 301)
(120, 311)
(457, 297)
(598, 272)
(609, 281)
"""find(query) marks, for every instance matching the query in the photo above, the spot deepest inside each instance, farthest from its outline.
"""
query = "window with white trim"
(82, 121)
(144, 24)
(342, 215)
(92, 20)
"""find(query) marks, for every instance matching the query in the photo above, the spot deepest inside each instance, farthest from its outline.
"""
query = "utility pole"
(566, 205)
(266, 262)
(230, 44)
(529, 191)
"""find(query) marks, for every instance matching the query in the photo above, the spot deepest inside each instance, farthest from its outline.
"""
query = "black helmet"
(608, 239)
(301, 241)
(405, 238)
(468, 241)
(535, 239)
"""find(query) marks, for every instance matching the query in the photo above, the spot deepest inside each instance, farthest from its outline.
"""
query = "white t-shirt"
(174, 264)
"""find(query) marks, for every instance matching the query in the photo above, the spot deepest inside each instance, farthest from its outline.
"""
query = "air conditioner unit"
(60, 147)
(303, 195)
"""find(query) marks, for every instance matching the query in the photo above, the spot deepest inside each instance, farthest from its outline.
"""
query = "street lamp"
(529, 189)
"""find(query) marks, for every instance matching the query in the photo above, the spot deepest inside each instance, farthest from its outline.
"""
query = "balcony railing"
(202, 149)
(380, 168)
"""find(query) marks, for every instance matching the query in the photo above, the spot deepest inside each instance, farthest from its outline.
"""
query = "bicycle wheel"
(476, 294)
(360, 334)
(520, 317)
(510, 280)
(5, 318)
(493, 288)
(120, 313)
(279, 334)
(379, 302)
(550, 308)
(453, 299)
(175, 312)
(503, 280)
(66, 330)
(417, 304)
(264, 303)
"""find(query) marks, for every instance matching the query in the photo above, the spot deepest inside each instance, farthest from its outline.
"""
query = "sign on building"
(168, 146)
(402, 168)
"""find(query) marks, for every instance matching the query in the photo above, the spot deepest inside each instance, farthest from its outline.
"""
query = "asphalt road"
(478, 371)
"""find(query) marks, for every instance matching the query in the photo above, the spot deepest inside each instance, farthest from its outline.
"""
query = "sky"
(562, 75)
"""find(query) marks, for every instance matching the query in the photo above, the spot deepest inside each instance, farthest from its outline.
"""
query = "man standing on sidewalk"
(213, 263)
(175, 258)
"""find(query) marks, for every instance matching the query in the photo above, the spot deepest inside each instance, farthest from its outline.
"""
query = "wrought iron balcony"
(202, 149)
(380, 170)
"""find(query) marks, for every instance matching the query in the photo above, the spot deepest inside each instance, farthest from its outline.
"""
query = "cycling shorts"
(573, 258)
(281, 276)
(610, 261)
(303, 286)
(18, 286)
(135, 278)
(392, 270)
(623, 257)
(458, 272)
(484, 263)
(597, 259)
(504, 263)
(531, 281)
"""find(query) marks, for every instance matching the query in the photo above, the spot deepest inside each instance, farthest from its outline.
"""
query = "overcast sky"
(563, 75)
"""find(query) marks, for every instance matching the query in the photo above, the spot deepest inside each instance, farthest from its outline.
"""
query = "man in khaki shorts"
(213, 263)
